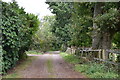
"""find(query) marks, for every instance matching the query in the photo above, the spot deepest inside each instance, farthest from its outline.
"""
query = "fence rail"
(107, 56)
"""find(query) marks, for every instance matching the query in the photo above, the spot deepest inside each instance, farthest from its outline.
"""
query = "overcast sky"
(34, 6)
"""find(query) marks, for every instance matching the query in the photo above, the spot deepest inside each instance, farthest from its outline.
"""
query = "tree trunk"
(106, 40)
(96, 37)
(101, 39)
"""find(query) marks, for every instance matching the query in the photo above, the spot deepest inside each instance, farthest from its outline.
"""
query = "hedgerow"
(17, 30)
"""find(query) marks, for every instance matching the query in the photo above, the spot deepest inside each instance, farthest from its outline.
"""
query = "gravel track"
(50, 66)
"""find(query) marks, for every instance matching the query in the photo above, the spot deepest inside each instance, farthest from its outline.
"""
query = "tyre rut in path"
(50, 66)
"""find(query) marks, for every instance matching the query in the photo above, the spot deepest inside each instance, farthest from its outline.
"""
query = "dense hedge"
(17, 30)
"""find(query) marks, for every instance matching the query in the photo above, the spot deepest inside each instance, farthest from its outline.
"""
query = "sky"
(38, 7)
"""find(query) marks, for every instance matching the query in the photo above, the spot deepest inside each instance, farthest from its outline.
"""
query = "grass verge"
(15, 72)
(70, 58)
(33, 52)
(91, 70)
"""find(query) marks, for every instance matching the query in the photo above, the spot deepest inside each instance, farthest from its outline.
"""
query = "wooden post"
(99, 53)
(82, 53)
(90, 55)
(105, 54)
(85, 53)
(113, 57)
(73, 49)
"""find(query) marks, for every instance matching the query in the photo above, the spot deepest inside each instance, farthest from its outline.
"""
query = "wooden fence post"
(99, 53)
(82, 53)
(113, 57)
(105, 54)
(85, 53)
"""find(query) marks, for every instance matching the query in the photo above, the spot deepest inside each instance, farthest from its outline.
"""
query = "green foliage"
(108, 20)
(92, 70)
(104, 75)
(95, 70)
(44, 39)
(63, 14)
(72, 23)
(116, 40)
(63, 47)
(80, 27)
(17, 30)
(81, 68)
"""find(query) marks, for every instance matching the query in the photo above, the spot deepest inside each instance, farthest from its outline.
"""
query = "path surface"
(50, 66)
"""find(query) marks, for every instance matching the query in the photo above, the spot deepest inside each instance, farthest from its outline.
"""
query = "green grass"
(20, 67)
(95, 70)
(91, 70)
(33, 52)
(49, 65)
(70, 58)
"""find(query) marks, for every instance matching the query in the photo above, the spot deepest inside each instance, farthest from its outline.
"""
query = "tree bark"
(96, 33)
(101, 39)
(106, 40)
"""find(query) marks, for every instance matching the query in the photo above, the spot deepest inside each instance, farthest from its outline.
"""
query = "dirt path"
(50, 66)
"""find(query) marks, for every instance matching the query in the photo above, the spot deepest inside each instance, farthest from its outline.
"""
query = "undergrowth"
(91, 70)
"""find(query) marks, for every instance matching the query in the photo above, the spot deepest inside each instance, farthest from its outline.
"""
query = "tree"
(75, 21)
(81, 25)
(44, 39)
(63, 14)
(96, 42)
(106, 24)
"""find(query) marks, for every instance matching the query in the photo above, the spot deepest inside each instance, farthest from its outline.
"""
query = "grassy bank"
(91, 70)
